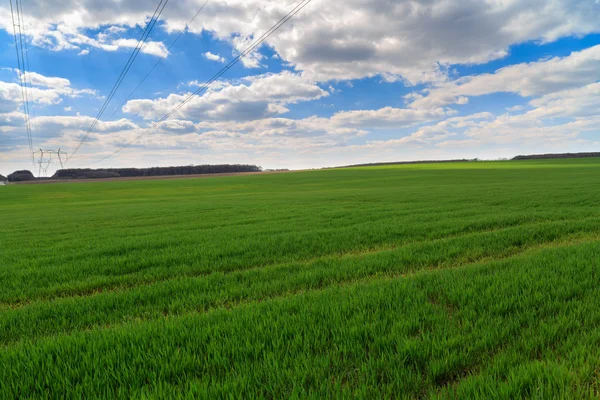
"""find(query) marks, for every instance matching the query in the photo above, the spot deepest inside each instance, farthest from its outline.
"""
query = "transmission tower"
(46, 158)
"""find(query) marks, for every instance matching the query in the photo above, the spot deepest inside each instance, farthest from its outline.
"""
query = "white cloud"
(557, 118)
(45, 91)
(254, 97)
(153, 48)
(352, 123)
(580, 102)
(82, 123)
(240, 44)
(388, 117)
(67, 109)
(515, 108)
(214, 57)
(61, 131)
(527, 79)
(304, 137)
(265, 96)
(68, 32)
(11, 119)
(555, 121)
(329, 39)
(10, 94)
(357, 38)
(431, 134)
(46, 81)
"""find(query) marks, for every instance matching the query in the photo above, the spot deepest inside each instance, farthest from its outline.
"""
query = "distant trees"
(155, 171)
(20, 176)
(3, 178)
(403, 162)
(559, 155)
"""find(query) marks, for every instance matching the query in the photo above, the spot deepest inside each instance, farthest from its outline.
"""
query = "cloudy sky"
(343, 82)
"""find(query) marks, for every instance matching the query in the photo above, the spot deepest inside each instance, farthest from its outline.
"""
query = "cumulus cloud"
(70, 30)
(554, 116)
(177, 126)
(526, 79)
(556, 120)
(254, 97)
(580, 102)
(431, 134)
(11, 119)
(265, 96)
(560, 117)
(341, 125)
(44, 91)
(346, 40)
(277, 127)
(46, 81)
(389, 117)
(63, 132)
(272, 135)
(150, 47)
(334, 40)
(214, 57)
(82, 123)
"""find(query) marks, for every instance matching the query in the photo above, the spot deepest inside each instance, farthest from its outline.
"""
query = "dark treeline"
(154, 171)
(402, 162)
(3, 178)
(20, 176)
(561, 155)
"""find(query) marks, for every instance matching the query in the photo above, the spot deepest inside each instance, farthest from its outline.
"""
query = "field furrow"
(470, 280)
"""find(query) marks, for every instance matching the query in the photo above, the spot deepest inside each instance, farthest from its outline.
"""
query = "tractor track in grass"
(127, 284)
(192, 309)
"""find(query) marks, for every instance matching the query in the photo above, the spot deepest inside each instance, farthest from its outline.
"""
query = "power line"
(205, 86)
(28, 69)
(124, 71)
(24, 65)
(22, 79)
(158, 62)
(23, 71)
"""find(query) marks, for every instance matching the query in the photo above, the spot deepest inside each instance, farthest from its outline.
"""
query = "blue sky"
(341, 83)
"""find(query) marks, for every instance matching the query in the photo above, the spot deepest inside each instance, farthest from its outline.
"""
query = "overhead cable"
(205, 86)
(156, 64)
(124, 71)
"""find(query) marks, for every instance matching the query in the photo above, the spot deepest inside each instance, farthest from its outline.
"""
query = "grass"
(466, 280)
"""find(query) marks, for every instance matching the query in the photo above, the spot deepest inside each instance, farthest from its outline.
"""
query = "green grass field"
(467, 280)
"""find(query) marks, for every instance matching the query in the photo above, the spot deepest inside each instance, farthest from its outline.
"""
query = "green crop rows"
(467, 280)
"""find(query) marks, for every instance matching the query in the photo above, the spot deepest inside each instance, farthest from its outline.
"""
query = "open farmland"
(460, 280)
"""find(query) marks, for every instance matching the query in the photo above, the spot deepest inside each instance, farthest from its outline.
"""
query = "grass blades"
(467, 280)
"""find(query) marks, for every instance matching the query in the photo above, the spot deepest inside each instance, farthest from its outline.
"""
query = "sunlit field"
(463, 280)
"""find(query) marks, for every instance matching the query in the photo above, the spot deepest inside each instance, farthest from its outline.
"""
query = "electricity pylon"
(45, 160)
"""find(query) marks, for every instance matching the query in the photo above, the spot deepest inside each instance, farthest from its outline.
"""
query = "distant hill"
(3, 178)
(155, 171)
(401, 162)
(559, 155)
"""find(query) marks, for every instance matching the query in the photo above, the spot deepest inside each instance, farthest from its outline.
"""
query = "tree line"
(559, 155)
(87, 173)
